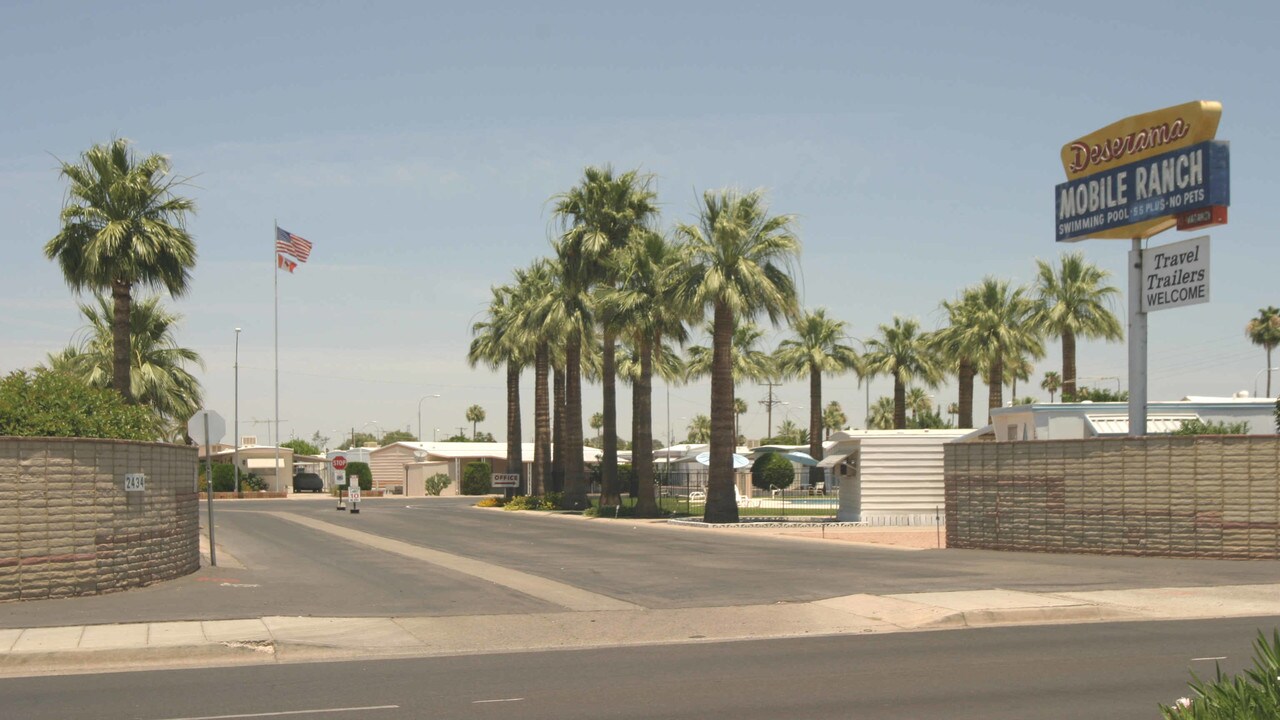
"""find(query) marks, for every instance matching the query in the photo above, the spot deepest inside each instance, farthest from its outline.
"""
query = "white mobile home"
(888, 477)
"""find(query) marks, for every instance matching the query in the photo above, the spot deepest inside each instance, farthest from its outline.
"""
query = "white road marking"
(1223, 657)
(477, 702)
(291, 712)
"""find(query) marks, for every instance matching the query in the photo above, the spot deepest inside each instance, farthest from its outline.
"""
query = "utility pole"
(768, 404)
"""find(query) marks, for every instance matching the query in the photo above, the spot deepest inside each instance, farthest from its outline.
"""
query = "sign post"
(340, 477)
(353, 498)
(1134, 179)
(211, 425)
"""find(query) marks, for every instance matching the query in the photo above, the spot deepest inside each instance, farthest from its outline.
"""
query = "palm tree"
(737, 264)
(904, 353)
(818, 347)
(123, 226)
(498, 342)
(475, 415)
(1051, 383)
(881, 414)
(740, 408)
(748, 360)
(699, 429)
(1073, 302)
(833, 418)
(645, 310)
(919, 402)
(960, 345)
(597, 422)
(535, 328)
(1264, 330)
(158, 365)
(600, 216)
(1016, 368)
(1004, 318)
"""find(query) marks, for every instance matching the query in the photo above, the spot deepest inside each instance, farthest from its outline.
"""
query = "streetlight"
(1255, 380)
(424, 397)
(434, 433)
(236, 423)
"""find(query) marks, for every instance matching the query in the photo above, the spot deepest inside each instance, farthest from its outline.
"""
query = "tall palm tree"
(737, 264)
(960, 345)
(599, 216)
(699, 429)
(499, 343)
(818, 346)
(533, 329)
(1051, 383)
(904, 353)
(1074, 302)
(1005, 318)
(881, 415)
(646, 312)
(475, 415)
(833, 418)
(748, 360)
(740, 408)
(919, 402)
(158, 373)
(1264, 331)
(123, 226)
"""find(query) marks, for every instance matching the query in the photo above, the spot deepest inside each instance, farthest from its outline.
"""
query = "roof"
(1109, 424)
(833, 460)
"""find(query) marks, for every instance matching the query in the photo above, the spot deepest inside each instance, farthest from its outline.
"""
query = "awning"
(832, 460)
(263, 463)
(1156, 424)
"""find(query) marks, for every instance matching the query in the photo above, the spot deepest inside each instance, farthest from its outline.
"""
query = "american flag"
(290, 244)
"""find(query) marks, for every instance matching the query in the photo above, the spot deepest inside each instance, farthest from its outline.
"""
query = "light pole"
(424, 397)
(1255, 378)
(236, 423)
(434, 433)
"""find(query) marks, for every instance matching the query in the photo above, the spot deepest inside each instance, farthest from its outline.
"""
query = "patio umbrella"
(801, 457)
(738, 460)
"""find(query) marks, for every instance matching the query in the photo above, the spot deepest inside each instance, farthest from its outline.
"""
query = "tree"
(122, 226)
(699, 430)
(748, 360)
(477, 478)
(301, 447)
(600, 215)
(771, 471)
(819, 346)
(737, 264)
(499, 343)
(319, 440)
(918, 402)
(960, 345)
(881, 415)
(597, 422)
(833, 418)
(789, 433)
(475, 415)
(1073, 302)
(1264, 331)
(1051, 383)
(537, 326)
(357, 440)
(395, 436)
(158, 365)
(904, 353)
(1004, 317)
(739, 409)
(51, 403)
(645, 311)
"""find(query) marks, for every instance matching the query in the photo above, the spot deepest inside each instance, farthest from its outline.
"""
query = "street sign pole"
(1137, 345)
(208, 477)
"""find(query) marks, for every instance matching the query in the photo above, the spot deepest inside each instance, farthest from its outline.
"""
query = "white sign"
(339, 477)
(135, 482)
(217, 426)
(1176, 274)
(353, 492)
(505, 480)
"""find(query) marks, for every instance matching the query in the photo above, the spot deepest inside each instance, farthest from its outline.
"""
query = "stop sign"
(339, 462)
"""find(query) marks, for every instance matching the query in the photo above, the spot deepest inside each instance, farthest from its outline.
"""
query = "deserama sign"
(1133, 178)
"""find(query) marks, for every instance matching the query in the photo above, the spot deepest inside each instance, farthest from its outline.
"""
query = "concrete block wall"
(1206, 496)
(67, 526)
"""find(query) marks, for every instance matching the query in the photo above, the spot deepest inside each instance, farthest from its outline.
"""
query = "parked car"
(308, 482)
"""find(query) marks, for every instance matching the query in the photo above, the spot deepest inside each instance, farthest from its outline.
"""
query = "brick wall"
(67, 526)
(1207, 496)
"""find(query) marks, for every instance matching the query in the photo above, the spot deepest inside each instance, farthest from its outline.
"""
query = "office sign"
(1130, 196)
(1176, 274)
(505, 480)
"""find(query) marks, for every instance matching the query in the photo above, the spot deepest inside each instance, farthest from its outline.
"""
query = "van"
(308, 482)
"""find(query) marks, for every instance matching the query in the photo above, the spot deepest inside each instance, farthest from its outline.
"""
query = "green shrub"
(54, 404)
(224, 479)
(360, 470)
(1255, 695)
(491, 501)
(1200, 427)
(772, 470)
(436, 484)
(529, 502)
(476, 477)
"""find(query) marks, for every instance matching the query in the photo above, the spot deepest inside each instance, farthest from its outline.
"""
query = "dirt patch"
(919, 538)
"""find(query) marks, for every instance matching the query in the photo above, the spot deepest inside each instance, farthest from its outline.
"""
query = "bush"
(1256, 694)
(224, 479)
(529, 502)
(772, 470)
(436, 484)
(491, 501)
(476, 477)
(626, 478)
(54, 404)
(1200, 427)
(360, 470)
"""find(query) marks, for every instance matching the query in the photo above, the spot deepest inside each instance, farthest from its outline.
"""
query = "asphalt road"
(294, 570)
(1072, 671)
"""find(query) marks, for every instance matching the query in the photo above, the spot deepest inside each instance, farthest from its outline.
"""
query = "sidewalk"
(97, 648)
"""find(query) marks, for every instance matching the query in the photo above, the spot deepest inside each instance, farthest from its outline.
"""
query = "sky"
(418, 145)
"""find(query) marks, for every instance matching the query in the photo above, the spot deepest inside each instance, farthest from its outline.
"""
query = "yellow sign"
(1136, 138)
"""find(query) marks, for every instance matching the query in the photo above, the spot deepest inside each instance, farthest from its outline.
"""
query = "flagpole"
(276, 287)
